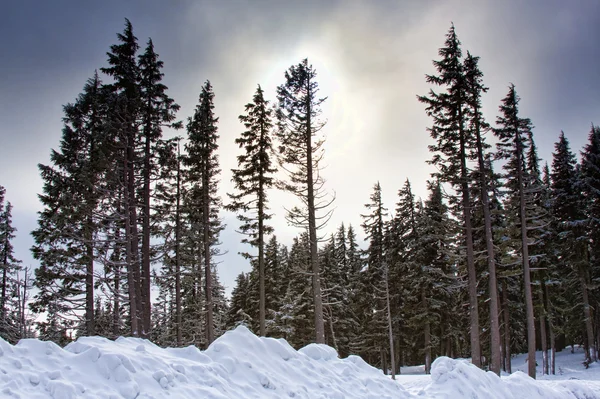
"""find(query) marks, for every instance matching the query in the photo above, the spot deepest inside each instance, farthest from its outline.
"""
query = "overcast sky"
(371, 58)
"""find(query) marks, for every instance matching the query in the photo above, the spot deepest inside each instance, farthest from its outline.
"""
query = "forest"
(502, 256)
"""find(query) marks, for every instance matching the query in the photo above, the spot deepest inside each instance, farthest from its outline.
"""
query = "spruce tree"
(252, 180)
(157, 110)
(68, 224)
(477, 125)
(203, 169)
(301, 152)
(512, 133)
(452, 152)
(123, 121)
(568, 212)
(590, 183)
(379, 319)
(430, 273)
(10, 266)
(237, 314)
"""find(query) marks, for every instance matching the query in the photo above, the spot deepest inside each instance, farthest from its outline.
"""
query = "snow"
(458, 378)
(241, 365)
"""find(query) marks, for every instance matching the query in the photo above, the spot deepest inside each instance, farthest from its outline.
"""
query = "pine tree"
(10, 266)
(237, 314)
(169, 196)
(378, 322)
(252, 180)
(477, 125)
(275, 283)
(568, 213)
(452, 152)
(300, 155)
(590, 182)
(64, 239)
(430, 273)
(203, 164)
(512, 135)
(157, 110)
(124, 118)
(297, 317)
(400, 237)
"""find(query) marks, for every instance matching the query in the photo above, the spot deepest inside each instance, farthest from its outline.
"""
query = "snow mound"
(240, 365)
(457, 378)
(237, 365)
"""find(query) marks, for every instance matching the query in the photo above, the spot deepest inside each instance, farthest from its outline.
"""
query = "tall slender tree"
(203, 170)
(157, 110)
(477, 125)
(452, 152)
(124, 122)
(377, 276)
(512, 133)
(569, 217)
(252, 180)
(9, 265)
(64, 239)
(301, 153)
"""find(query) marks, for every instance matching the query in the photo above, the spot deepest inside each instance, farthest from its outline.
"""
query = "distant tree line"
(489, 264)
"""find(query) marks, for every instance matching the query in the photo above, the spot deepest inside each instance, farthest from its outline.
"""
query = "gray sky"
(371, 58)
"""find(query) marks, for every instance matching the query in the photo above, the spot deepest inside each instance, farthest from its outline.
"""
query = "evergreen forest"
(500, 257)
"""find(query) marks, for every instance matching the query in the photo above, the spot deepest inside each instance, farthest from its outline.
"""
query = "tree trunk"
(389, 320)
(543, 334)
(472, 272)
(133, 230)
(210, 333)
(4, 276)
(590, 348)
(491, 261)
(24, 305)
(507, 351)
(131, 265)
(427, 336)
(312, 227)
(145, 275)
(89, 282)
(117, 275)
(178, 319)
(550, 328)
(261, 259)
(525, 253)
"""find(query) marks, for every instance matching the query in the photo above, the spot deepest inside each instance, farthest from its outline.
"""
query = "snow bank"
(239, 365)
(452, 378)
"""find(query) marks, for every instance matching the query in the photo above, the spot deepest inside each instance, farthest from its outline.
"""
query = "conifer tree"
(203, 169)
(239, 305)
(590, 182)
(252, 180)
(567, 210)
(297, 318)
(430, 274)
(64, 239)
(513, 132)
(124, 123)
(9, 265)
(157, 110)
(379, 319)
(477, 125)
(301, 153)
(452, 151)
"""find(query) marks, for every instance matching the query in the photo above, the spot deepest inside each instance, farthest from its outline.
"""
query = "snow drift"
(237, 365)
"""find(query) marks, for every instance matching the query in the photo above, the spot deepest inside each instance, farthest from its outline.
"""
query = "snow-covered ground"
(457, 379)
(241, 365)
